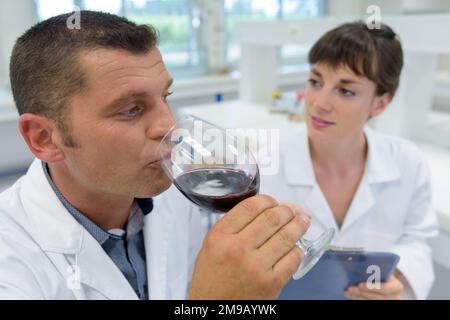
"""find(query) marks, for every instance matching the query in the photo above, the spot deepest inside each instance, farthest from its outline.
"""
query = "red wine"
(217, 189)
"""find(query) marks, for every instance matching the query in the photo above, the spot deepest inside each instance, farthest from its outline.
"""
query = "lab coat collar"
(157, 228)
(97, 270)
(51, 224)
(380, 166)
(58, 232)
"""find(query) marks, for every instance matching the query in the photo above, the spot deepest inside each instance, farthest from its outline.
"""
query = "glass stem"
(304, 245)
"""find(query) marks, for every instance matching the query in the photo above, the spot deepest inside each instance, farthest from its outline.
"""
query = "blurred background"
(242, 63)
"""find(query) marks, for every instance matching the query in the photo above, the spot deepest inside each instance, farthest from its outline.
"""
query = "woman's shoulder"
(402, 150)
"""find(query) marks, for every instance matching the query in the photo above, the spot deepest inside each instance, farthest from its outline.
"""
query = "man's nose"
(163, 122)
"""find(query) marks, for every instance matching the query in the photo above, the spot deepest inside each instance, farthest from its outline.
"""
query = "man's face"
(117, 123)
(338, 102)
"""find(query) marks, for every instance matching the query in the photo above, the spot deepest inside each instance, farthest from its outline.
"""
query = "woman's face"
(338, 102)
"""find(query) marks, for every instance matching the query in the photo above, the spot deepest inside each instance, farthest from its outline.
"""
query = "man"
(80, 224)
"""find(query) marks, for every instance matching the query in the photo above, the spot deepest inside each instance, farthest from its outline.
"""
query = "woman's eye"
(313, 83)
(346, 92)
(167, 95)
(132, 112)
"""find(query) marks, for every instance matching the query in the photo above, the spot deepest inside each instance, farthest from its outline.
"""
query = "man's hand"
(390, 290)
(251, 253)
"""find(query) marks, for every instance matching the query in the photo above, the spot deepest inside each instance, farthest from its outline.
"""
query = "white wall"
(14, 153)
(16, 16)
(342, 8)
(441, 255)
(348, 8)
(425, 6)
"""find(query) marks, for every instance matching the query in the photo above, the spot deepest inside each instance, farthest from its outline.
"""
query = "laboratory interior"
(243, 64)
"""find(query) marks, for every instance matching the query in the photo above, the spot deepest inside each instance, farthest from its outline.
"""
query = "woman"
(374, 189)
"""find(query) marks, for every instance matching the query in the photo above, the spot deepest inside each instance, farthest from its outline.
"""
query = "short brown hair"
(45, 66)
(376, 54)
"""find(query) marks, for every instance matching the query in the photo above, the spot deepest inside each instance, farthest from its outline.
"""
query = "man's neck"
(105, 210)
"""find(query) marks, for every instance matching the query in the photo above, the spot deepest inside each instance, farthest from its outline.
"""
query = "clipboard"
(337, 270)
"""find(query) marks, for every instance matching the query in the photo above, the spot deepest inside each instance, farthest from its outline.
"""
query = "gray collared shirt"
(125, 248)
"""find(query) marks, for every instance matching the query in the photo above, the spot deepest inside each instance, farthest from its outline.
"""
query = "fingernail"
(302, 212)
(306, 218)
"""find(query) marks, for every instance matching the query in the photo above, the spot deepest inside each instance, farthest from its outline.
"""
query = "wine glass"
(216, 170)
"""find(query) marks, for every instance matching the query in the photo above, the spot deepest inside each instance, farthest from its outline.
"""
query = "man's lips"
(153, 163)
(158, 161)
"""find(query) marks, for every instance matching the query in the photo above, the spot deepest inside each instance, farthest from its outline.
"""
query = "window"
(190, 43)
(249, 10)
(50, 8)
(177, 21)
(111, 6)
(245, 10)
(295, 10)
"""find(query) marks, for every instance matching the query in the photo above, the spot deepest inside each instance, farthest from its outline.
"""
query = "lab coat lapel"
(156, 238)
(360, 205)
(98, 271)
(316, 203)
(173, 234)
(50, 223)
(66, 241)
(299, 174)
(380, 168)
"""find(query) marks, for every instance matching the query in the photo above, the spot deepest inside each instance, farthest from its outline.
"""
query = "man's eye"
(346, 92)
(132, 112)
(167, 95)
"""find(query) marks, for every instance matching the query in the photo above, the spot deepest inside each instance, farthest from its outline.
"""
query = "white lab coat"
(40, 242)
(391, 210)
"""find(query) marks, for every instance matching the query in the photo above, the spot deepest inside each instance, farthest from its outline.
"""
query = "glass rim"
(184, 118)
(194, 118)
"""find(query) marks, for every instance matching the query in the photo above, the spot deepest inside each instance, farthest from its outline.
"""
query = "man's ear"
(380, 104)
(39, 133)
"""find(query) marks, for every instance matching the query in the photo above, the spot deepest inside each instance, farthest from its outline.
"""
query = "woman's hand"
(390, 290)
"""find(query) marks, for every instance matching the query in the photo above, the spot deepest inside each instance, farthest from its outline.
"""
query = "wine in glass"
(216, 172)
